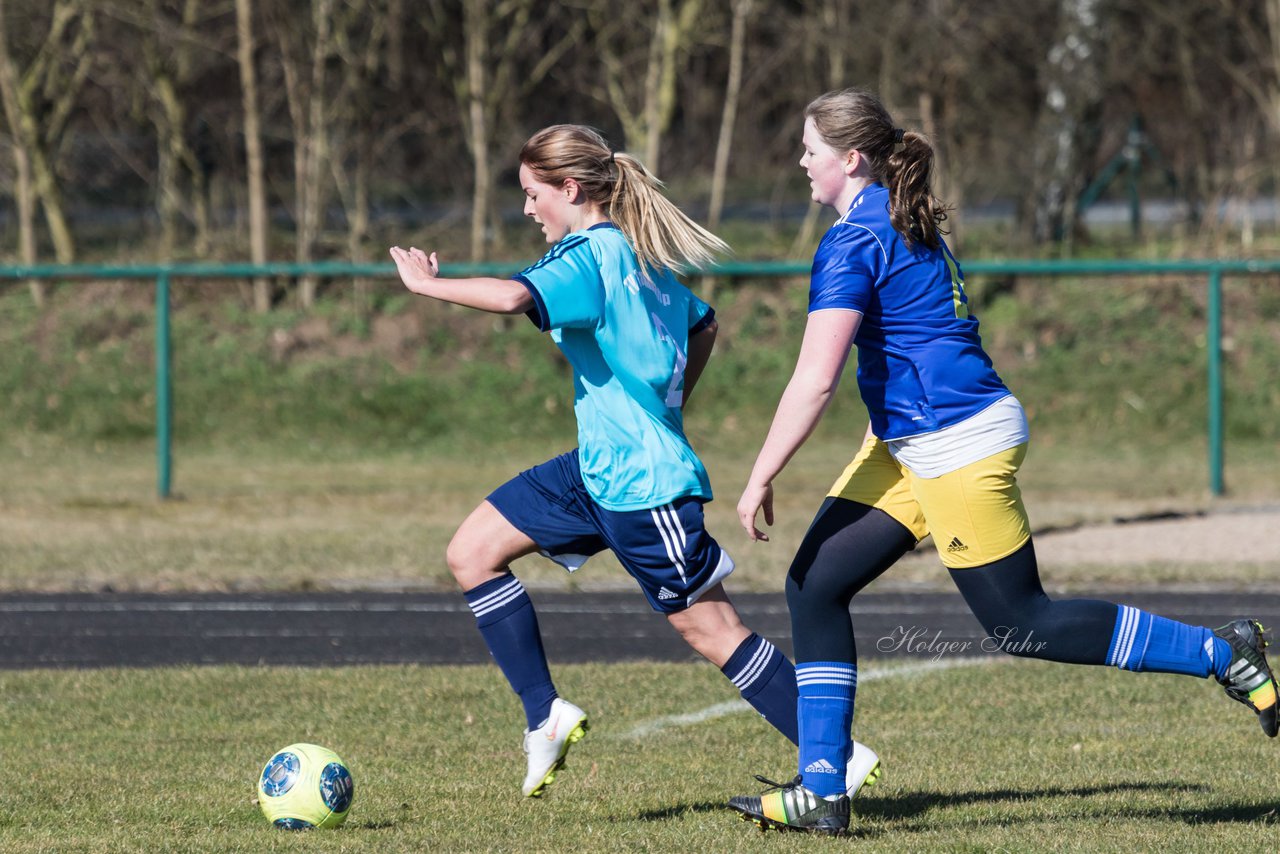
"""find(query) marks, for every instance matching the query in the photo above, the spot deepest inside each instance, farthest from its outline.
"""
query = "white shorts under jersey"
(999, 427)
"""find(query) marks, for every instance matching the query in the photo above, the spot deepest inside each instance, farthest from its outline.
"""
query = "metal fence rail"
(163, 274)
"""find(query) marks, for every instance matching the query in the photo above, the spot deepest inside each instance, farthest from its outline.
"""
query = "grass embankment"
(1051, 759)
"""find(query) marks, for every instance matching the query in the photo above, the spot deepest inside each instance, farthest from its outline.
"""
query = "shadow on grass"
(1225, 814)
(913, 804)
(683, 809)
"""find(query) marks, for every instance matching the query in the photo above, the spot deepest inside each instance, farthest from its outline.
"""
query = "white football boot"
(547, 745)
(862, 771)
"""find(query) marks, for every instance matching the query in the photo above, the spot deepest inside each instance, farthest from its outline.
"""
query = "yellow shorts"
(975, 513)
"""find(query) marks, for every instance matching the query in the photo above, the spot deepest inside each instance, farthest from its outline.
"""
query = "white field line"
(733, 707)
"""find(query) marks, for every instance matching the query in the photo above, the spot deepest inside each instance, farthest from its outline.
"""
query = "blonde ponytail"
(659, 232)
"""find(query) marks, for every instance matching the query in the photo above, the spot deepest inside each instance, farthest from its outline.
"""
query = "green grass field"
(1001, 756)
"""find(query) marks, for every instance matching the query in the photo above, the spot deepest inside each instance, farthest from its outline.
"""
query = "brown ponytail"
(660, 233)
(851, 119)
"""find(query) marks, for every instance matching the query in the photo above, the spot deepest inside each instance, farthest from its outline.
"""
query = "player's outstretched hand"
(756, 497)
(417, 269)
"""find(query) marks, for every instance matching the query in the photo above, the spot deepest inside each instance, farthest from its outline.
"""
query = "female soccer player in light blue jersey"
(940, 457)
(637, 341)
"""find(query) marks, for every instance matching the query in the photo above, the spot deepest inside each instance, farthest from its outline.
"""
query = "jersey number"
(957, 287)
(675, 393)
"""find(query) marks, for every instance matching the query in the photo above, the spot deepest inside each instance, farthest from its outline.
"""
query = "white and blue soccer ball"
(304, 786)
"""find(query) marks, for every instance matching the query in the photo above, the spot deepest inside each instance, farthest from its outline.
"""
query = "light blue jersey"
(626, 335)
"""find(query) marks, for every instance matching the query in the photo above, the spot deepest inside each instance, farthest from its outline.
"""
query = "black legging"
(849, 545)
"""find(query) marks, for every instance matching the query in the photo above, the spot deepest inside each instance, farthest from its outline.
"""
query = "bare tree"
(304, 56)
(38, 103)
(24, 190)
(254, 160)
(174, 42)
(831, 31)
(170, 76)
(476, 29)
(363, 101)
(733, 91)
(1067, 136)
(368, 44)
(728, 118)
(489, 76)
(1250, 60)
(667, 33)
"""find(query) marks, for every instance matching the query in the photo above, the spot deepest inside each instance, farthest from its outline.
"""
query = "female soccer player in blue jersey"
(637, 341)
(940, 457)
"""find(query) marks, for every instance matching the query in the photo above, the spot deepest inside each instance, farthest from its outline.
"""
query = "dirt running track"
(328, 629)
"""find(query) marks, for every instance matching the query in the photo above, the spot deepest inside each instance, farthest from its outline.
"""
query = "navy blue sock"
(1147, 643)
(509, 625)
(767, 681)
(825, 711)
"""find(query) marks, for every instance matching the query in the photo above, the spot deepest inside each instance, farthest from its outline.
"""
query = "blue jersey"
(625, 332)
(921, 366)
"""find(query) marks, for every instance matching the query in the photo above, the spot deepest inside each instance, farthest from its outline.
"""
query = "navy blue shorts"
(666, 549)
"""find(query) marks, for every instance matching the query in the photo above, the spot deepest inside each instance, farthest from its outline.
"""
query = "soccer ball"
(304, 786)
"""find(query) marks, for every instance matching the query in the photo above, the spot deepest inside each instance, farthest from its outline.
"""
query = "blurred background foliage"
(307, 129)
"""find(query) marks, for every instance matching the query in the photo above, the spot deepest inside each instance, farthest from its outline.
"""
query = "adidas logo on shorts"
(956, 545)
(822, 766)
(664, 594)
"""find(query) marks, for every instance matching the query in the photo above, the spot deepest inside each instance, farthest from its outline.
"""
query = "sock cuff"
(818, 677)
(752, 664)
(496, 598)
(1133, 630)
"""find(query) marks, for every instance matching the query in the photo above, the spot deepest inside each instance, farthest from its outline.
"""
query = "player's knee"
(714, 636)
(809, 596)
(1016, 634)
(467, 561)
(695, 636)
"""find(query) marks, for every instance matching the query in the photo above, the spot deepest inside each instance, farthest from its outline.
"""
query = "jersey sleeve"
(701, 315)
(845, 269)
(566, 286)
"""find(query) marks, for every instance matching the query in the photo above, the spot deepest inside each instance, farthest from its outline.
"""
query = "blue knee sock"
(509, 625)
(767, 681)
(825, 710)
(1147, 643)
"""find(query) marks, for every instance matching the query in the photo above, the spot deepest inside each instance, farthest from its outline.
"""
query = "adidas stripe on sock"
(1147, 643)
(767, 681)
(509, 625)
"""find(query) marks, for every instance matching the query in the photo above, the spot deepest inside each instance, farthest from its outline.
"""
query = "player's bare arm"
(700, 347)
(828, 337)
(420, 273)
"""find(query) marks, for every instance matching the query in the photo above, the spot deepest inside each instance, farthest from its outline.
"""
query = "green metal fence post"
(164, 390)
(1215, 382)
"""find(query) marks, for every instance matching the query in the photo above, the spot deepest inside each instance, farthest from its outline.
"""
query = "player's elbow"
(515, 300)
(815, 384)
